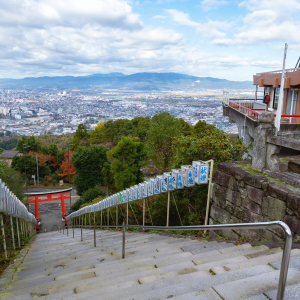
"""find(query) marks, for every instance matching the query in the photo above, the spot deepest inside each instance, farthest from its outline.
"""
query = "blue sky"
(216, 38)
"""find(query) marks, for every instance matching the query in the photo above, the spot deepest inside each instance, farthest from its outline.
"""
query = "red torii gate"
(47, 196)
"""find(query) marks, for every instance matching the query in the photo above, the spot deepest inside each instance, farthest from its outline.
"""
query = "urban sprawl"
(41, 111)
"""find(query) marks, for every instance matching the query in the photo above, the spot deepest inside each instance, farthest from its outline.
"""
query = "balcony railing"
(251, 113)
(279, 71)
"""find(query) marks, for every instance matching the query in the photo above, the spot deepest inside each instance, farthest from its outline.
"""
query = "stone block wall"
(241, 197)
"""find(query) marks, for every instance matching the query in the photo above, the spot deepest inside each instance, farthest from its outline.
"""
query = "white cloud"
(209, 29)
(289, 6)
(75, 13)
(267, 64)
(269, 21)
(159, 17)
(223, 42)
(78, 37)
(212, 4)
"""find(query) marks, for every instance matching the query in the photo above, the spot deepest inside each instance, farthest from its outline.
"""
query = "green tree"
(187, 129)
(92, 193)
(30, 143)
(88, 162)
(115, 130)
(108, 176)
(97, 136)
(8, 133)
(53, 150)
(164, 129)
(1, 134)
(209, 143)
(81, 138)
(141, 126)
(12, 179)
(10, 144)
(127, 158)
(30, 163)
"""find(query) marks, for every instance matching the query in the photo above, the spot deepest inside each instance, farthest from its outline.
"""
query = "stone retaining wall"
(239, 197)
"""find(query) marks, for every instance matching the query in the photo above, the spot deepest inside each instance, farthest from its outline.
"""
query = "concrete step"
(262, 260)
(169, 288)
(252, 286)
(292, 292)
(294, 261)
(156, 267)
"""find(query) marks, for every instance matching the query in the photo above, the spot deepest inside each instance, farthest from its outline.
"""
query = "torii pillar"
(38, 197)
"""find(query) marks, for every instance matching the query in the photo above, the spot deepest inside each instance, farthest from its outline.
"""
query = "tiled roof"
(9, 153)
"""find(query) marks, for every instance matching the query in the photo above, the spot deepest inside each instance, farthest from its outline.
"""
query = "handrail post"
(18, 233)
(168, 210)
(12, 232)
(123, 242)
(285, 261)
(94, 236)
(3, 236)
(81, 233)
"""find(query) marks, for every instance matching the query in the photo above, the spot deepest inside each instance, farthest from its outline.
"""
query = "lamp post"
(25, 165)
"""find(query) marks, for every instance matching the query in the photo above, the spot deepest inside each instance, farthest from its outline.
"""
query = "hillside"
(138, 81)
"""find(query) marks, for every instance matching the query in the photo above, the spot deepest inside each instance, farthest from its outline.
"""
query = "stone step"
(210, 294)
(292, 292)
(202, 258)
(261, 260)
(257, 297)
(252, 286)
(43, 287)
(170, 287)
(156, 267)
(294, 261)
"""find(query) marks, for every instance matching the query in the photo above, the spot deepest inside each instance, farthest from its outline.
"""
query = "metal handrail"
(261, 225)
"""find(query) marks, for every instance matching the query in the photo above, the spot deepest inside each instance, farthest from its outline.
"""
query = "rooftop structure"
(8, 155)
(255, 120)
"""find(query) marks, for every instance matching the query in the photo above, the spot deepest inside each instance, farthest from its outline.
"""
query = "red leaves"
(64, 166)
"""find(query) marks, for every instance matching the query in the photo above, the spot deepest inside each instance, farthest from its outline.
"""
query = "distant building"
(8, 155)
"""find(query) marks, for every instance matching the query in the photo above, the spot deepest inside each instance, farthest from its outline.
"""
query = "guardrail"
(261, 225)
(12, 208)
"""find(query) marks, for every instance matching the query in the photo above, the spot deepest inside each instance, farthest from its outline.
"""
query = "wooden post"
(3, 236)
(117, 217)
(85, 219)
(89, 219)
(18, 233)
(209, 192)
(127, 212)
(168, 209)
(101, 217)
(12, 232)
(108, 216)
(94, 218)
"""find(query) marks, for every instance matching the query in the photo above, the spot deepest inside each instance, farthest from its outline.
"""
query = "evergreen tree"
(88, 162)
(164, 129)
(127, 159)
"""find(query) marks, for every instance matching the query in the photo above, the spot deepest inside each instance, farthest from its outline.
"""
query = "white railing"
(279, 71)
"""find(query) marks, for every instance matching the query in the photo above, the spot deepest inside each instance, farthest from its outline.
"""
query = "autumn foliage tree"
(64, 167)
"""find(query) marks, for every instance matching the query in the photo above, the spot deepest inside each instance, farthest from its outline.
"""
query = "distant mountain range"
(138, 81)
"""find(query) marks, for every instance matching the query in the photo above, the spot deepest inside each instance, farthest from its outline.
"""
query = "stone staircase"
(156, 267)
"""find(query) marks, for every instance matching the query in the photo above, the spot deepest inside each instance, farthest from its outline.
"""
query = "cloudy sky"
(217, 38)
